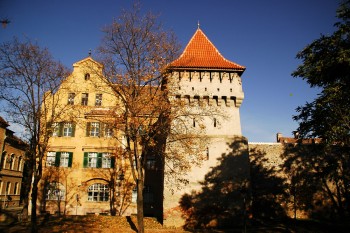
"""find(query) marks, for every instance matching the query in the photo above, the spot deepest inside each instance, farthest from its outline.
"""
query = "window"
(64, 159)
(108, 131)
(87, 76)
(19, 164)
(106, 160)
(98, 160)
(50, 159)
(98, 192)
(15, 191)
(92, 129)
(95, 129)
(55, 129)
(84, 99)
(215, 122)
(55, 191)
(67, 129)
(151, 163)
(12, 161)
(98, 100)
(92, 159)
(8, 188)
(59, 159)
(71, 98)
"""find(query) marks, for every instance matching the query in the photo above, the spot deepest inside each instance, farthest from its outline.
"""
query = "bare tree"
(28, 76)
(136, 52)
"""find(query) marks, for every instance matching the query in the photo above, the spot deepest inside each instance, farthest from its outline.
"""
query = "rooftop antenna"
(89, 52)
(198, 24)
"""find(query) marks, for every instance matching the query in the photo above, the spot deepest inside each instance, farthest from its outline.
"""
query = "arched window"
(55, 191)
(12, 161)
(15, 191)
(98, 192)
(8, 188)
(19, 164)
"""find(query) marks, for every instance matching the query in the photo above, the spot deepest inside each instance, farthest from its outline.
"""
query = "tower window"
(87, 76)
(215, 122)
(194, 122)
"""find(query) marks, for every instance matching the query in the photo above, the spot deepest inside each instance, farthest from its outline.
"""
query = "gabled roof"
(200, 52)
(88, 59)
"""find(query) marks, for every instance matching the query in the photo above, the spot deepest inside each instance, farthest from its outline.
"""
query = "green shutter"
(70, 159)
(73, 129)
(58, 159)
(88, 127)
(99, 160)
(113, 162)
(85, 162)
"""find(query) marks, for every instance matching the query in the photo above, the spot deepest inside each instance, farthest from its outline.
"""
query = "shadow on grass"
(131, 223)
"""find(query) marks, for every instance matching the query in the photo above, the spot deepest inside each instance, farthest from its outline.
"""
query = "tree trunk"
(141, 227)
(33, 218)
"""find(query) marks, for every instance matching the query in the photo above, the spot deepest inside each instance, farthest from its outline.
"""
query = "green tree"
(326, 65)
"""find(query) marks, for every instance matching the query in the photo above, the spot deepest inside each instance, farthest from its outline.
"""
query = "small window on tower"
(87, 76)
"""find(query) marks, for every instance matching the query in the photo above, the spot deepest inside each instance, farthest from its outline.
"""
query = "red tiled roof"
(200, 52)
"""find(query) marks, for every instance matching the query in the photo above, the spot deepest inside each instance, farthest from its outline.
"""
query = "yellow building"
(84, 170)
(11, 166)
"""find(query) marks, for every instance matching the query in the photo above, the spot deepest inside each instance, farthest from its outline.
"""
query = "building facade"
(85, 169)
(11, 166)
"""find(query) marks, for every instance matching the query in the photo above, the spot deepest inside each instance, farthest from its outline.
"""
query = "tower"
(204, 76)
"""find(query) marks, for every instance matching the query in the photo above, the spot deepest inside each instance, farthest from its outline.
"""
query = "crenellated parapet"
(196, 100)
(221, 88)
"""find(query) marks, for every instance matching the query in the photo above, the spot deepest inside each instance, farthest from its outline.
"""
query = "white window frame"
(64, 159)
(106, 160)
(67, 129)
(92, 159)
(51, 158)
(98, 192)
(95, 129)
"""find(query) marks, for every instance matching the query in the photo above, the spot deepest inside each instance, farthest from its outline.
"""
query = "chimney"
(278, 137)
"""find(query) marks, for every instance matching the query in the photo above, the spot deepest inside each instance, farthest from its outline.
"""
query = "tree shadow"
(319, 180)
(224, 197)
(131, 223)
(269, 193)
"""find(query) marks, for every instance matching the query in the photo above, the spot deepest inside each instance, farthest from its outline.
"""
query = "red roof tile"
(200, 52)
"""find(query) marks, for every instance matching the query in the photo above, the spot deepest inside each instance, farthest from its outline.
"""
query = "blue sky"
(264, 36)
